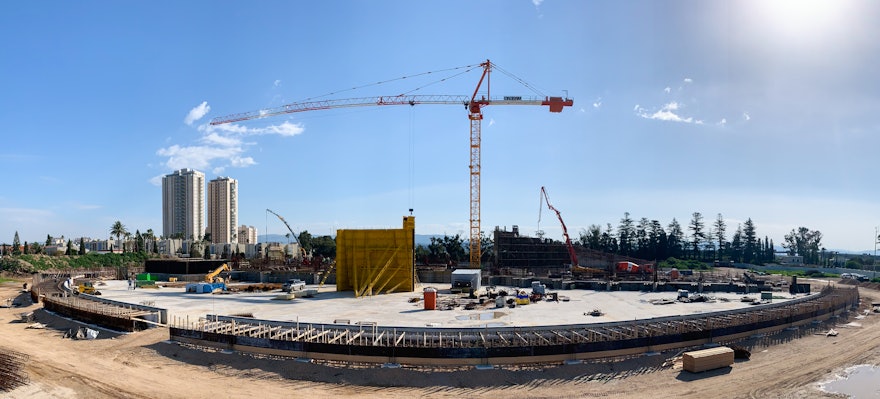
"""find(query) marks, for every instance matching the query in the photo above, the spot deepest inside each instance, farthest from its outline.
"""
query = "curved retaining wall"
(506, 345)
(115, 315)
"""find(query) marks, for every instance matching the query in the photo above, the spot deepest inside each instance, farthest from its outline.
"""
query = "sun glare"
(802, 20)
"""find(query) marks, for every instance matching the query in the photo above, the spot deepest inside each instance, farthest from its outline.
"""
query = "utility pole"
(876, 239)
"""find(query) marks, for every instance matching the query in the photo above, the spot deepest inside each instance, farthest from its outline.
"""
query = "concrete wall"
(473, 346)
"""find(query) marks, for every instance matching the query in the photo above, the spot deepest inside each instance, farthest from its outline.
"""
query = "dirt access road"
(144, 365)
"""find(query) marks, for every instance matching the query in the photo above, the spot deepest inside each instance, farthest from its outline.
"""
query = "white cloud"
(224, 141)
(196, 156)
(197, 113)
(688, 80)
(537, 3)
(746, 116)
(597, 103)
(722, 122)
(286, 129)
(243, 162)
(277, 82)
(220, 146)
(491, 121)
(667, 89)
(666, 113)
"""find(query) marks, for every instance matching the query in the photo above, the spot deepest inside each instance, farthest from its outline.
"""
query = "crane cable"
(519, 80)
(463, 70)
(412, 159)
(467, 68)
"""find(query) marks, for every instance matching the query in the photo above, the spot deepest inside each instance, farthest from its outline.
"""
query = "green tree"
(421, 254)
(305, 239)
(720, 230)
(194, 251)
(804, 242)
(82, 246)
(139, 241)
(150, 237)
(69, 250)
(592, 237)
(608, 242)
(324, 246)
(26, 249)
(750, 242)
(118, 230)
(16, 245)
(36, 248)
(697, 234)
(48, 240)
(735, 250)
(642, 249)
(674, 239)
(626, 235)
(487, 249)
(657, 241)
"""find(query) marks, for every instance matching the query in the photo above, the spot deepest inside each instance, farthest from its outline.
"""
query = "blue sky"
(751, 109)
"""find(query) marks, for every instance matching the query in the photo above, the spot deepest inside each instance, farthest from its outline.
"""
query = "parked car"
(293, 284)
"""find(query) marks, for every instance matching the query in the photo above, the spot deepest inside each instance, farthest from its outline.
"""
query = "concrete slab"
(407, 309)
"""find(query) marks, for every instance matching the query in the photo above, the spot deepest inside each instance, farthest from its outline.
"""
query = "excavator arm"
(212, 275)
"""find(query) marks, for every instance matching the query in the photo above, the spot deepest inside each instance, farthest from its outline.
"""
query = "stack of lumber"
(707, 359)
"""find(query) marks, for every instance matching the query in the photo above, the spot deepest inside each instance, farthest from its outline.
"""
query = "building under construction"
(519, 255)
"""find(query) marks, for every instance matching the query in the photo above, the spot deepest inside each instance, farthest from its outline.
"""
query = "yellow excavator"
(212, 276)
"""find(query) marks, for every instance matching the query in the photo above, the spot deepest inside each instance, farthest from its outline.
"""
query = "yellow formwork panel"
(376, 261)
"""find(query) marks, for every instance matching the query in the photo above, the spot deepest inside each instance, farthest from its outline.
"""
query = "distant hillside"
(421, 239)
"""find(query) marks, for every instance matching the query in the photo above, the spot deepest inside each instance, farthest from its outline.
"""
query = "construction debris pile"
(12, 374)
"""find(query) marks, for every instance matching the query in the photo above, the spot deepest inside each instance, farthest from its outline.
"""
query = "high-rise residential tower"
(247, 234)
(183, 204)
(223, 210)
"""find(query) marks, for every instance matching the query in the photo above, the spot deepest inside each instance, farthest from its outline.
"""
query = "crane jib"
(556, 104)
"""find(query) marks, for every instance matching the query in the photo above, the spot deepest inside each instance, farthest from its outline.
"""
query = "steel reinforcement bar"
(504, 345)
(12, 374)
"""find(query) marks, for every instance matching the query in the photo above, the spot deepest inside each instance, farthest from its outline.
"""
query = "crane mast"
(546, 199)
(474, 106)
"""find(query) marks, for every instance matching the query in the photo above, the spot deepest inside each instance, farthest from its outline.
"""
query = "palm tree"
(118, 230)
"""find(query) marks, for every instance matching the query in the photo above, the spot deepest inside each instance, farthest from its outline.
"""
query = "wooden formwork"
(376, 261)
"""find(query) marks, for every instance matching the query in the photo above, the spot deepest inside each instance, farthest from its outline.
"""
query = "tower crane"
(546, 199)
(472, 103)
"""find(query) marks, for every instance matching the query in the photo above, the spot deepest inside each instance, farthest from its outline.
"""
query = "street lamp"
(876, 240)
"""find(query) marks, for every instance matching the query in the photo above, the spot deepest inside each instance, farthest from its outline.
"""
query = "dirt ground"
(145, 365)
